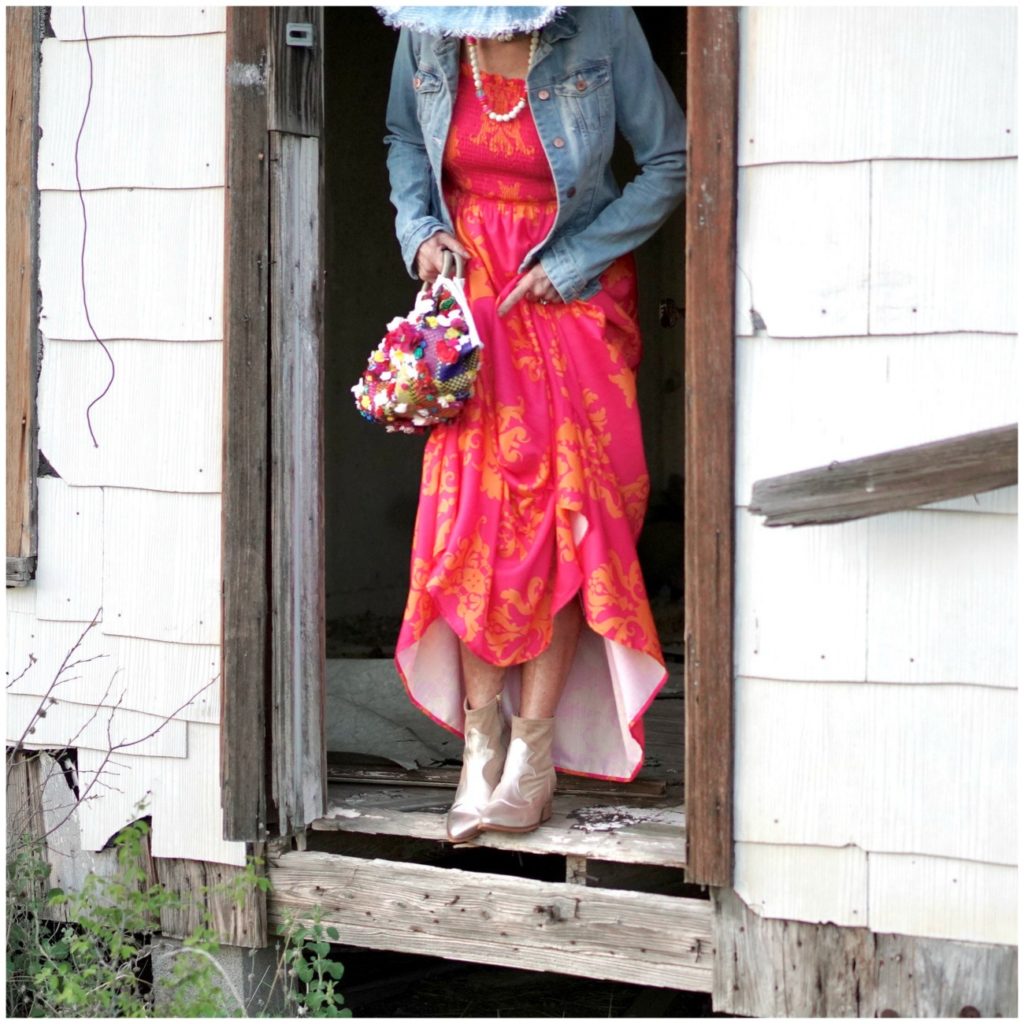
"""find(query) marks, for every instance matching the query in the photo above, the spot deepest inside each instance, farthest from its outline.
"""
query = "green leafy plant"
(91, 953)
(312, 972)
(96, 962)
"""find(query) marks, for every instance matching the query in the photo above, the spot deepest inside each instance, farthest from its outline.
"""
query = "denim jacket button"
(559, 142)
(543, 95)
(571, 192)
(581, 84)
(417, 82)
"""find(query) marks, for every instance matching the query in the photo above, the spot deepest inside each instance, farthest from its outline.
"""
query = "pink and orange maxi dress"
(535, 496)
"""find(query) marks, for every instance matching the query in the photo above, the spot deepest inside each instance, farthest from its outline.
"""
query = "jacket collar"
(563, 26)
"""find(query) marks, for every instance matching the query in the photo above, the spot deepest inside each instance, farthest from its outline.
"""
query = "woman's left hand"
(535, 286)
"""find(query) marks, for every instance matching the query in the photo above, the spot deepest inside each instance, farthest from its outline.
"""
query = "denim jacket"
(592, 74)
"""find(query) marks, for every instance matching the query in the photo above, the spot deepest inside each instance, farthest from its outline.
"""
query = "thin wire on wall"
(85, 232)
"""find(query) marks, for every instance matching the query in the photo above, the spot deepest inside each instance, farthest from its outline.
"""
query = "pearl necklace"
(479, 85)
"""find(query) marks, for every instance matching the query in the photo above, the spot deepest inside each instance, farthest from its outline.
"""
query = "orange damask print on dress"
(535, 496)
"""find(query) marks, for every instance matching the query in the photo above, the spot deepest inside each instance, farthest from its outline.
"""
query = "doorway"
(372, 478)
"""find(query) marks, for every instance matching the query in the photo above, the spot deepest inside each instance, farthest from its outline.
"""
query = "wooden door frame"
(712, 81)
(273, 761)
(24, 35)
(709, 455)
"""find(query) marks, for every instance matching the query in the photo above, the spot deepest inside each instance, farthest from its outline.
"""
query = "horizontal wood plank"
(627, 833)
(148, 125)
(497, 919)
(890, 481)
(855, 59)
(770, 968)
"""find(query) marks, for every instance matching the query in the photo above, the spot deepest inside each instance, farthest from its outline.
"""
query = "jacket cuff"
(563, 271)
(415, 235)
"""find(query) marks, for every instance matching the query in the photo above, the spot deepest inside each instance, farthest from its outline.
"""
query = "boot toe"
(462, 825)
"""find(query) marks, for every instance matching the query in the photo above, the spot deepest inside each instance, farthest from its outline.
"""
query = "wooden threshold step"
(497, 919)
(624, 833)
(339, 770)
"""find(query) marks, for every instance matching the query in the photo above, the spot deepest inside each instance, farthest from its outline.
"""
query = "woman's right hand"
(430, 255)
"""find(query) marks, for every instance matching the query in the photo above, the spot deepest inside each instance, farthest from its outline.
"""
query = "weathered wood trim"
(245, 496)
(24, 806)
(891, 481)
(23, 35)
(607, 831)
(498, 919)
(20, 571)
(298, 664)
(766, 967)
(206, 889)
(296, 76)
(712, 83)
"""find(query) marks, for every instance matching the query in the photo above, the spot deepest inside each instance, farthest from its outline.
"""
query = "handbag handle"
(447, 259)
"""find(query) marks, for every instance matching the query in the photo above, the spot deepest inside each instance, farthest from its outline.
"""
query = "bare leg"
(481, 679)
(544, 677)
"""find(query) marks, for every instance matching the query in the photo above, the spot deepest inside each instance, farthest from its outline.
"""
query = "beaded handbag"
(422, 372)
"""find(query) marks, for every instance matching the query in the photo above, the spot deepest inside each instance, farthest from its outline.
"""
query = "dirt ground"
(399, 985)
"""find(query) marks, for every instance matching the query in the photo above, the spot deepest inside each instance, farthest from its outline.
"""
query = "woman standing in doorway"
(527, 626)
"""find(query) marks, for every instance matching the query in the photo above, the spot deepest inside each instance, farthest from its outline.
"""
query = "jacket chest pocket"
(586, 94)
(427, 87)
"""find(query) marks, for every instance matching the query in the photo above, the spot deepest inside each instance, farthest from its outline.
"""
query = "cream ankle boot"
(522, 799)
(482, 761)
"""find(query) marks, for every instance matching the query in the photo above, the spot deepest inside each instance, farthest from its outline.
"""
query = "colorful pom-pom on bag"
(422, 372)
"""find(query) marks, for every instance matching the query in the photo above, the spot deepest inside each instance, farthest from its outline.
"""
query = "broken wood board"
(776, 968)
(207, 892)
(625, 833)
(497, 919)
(891, 481)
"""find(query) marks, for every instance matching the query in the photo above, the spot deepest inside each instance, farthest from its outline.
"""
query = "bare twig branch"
(63, 665)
